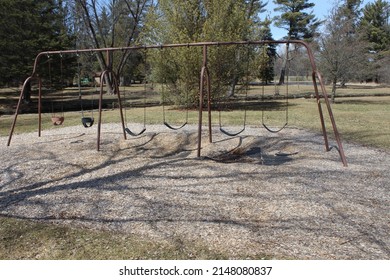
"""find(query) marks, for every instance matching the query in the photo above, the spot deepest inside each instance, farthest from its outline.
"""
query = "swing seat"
(87, 121)
(57, 120)
(128, 131)
(231, 134)
(275, 130)
(174, 128)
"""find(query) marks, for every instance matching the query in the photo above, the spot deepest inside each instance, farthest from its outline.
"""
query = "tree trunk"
(284, 66)
(232, 88)
(334, 84)
(282, 74)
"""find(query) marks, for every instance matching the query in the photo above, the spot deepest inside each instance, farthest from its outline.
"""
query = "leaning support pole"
(201, 90)
(333, 122)
(318, 100)
(204, 79)
(316, 75)
(28, 80)
(209, 104)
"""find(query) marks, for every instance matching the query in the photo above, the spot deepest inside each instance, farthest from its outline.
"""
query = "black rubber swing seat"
(231, 134)
(87, 121)
(175, 128)
(275, 130)
(128, 131)
(57, 120)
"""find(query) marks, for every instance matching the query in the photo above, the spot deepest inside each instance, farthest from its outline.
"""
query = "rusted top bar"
(198, 44)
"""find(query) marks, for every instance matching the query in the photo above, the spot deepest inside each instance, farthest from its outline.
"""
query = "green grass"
(20, 239)
(363, 120)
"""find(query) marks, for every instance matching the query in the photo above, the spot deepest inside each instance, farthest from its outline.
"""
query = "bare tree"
(341, 51)
(114, 23)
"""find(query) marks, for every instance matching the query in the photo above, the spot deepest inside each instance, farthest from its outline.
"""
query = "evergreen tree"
(299, 24)
(267, 53)
(374, 26)
(29, 27)
(351, 10)
(176, 21)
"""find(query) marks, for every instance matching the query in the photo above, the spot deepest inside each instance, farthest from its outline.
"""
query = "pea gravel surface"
(258, 193)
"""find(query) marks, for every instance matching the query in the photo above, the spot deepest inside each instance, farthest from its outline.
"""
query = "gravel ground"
(256, 194)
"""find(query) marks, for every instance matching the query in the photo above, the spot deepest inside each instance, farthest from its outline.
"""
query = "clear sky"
(321, 10)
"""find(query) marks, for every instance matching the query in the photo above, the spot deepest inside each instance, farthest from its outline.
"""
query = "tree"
(267, 53)
(114, 23)
(298, 23)
(342, 52)
(27, 28)
(176, 21)
(374, 25)
(351, 10)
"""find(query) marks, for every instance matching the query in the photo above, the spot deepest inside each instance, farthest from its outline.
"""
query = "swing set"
(204, 91)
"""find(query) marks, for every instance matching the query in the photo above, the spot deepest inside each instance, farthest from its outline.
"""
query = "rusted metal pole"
(318, 99)
(333, 122)
(209, 104)
(201, 96)
(316, 75)
(28, 80)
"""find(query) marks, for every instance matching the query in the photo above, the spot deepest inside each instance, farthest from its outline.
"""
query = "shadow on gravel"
(159, 183)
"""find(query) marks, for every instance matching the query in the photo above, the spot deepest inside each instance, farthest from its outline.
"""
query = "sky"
(321, 10)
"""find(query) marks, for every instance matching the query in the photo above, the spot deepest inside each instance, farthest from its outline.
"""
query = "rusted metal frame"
(318, 97)
(208, 79)
(333, 122)
(200, 44)
(318, 100)
(204, 79)
(28, 80)
(201, 87)
(205, 74)
(316, 74)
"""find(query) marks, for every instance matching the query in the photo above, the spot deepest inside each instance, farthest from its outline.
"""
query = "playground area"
(257, 194)
(138, 160)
